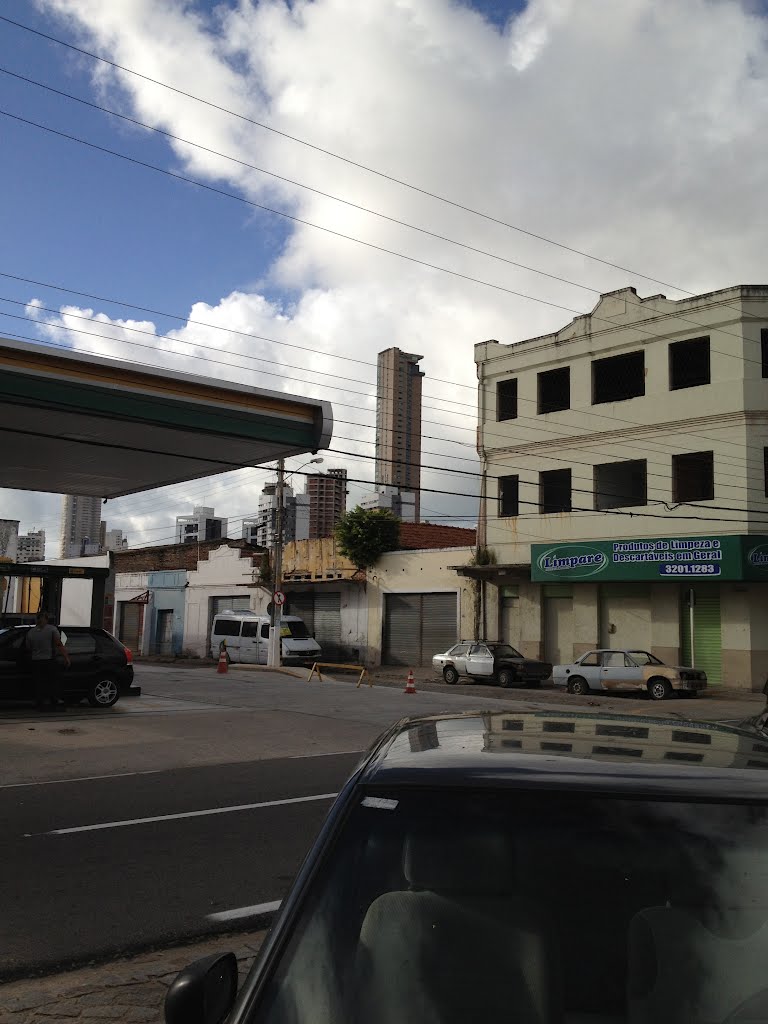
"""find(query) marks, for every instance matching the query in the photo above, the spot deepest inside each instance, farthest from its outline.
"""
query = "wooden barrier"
(349, 668)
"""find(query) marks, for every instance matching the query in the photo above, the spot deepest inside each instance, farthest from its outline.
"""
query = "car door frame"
(627, 676)
(484, 664)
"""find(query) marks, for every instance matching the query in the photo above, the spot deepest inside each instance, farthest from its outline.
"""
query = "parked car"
(627, 670)
(436, 891)
(101, 668)
(490, 662)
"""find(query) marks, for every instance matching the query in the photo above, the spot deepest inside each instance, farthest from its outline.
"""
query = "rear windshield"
(531, 907)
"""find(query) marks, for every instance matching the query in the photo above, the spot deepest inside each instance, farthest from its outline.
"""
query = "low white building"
(229, 578)
(202, 525)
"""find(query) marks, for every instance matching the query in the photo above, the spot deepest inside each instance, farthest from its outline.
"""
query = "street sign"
(279, 597)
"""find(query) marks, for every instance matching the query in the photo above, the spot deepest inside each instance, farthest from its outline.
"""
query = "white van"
(246, 635)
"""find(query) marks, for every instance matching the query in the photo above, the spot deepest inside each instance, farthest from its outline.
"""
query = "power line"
(338, 156)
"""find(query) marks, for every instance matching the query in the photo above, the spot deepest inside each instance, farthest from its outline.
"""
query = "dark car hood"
(527, 665)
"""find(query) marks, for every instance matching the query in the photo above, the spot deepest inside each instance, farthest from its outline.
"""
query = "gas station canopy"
(79, 424)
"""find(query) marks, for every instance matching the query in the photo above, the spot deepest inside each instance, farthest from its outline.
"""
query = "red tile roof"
(417, 536)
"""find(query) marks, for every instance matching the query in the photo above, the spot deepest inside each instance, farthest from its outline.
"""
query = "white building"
(80, 526)
(262, 529)
(401, 504)
(114, 540)
(203, 524)
(228, 579)
(31, 546)
(625, 483)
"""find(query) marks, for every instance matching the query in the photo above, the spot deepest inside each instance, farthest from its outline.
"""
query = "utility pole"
(275, 640)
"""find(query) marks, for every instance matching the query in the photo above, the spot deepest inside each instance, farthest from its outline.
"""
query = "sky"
(632, 132)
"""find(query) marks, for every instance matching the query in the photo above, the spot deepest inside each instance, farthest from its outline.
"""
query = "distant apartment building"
(114, 540)
(31, 546)
(202, 525)
(400, 503)
(398, 422)
(80, 526)
(625, 484)
(327, 494)
(262, 528)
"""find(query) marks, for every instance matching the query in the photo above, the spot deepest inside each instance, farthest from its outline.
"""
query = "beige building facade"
(625, 487)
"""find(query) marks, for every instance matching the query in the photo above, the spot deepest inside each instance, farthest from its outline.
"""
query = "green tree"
(364, 535)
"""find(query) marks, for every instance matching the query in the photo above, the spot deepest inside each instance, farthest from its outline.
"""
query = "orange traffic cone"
(410, 686)
(223, 665)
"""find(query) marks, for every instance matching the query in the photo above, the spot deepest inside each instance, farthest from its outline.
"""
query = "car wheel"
(506, 678)
(103, 693)
(578, 686)
(450, 675)
(659, 689)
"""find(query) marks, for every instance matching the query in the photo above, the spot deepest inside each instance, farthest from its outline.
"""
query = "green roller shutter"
(706, 631)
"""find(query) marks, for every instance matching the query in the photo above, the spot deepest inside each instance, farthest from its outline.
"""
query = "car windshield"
(294, 628)
(441, 906)
(644, 658)
(504, 651)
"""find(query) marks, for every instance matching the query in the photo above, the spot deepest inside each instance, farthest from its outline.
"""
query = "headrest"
(475, 863)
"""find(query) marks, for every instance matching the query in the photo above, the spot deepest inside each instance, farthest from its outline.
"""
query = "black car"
(101, 668)
(538, 867)
(491, 662)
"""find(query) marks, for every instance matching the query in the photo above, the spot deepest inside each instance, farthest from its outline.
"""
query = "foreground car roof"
(558, 750)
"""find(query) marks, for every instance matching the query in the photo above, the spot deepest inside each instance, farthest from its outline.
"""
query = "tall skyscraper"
(327, 501)
(80, 526)
(203, 524)
(262, 528)
(398, 422)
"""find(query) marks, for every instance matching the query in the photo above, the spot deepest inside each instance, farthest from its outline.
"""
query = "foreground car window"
(444, 907)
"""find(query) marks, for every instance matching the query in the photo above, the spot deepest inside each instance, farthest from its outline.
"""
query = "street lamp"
(274, 649)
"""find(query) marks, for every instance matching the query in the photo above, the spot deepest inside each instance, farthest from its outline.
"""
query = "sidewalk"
(129, 990)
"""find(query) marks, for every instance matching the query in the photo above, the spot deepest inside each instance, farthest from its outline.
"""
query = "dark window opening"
(555, 491)
(554, 390)
(506, 400)
(689, 364)
(764, 349)
(618, 378)
(765, 469)
(620, 484)
(509, 496)
(693, 476)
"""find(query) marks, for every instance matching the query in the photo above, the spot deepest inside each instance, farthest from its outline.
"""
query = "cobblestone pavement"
(131, 990)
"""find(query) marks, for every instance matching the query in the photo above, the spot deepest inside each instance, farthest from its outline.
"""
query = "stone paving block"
(94, 1013)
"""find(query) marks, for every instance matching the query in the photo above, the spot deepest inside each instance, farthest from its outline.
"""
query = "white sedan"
(627, 670)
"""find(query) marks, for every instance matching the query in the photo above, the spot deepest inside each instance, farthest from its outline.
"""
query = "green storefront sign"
(652, 560)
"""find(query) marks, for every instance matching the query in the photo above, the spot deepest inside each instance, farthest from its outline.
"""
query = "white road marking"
(185, 814)
(234, 915)
(82, 778)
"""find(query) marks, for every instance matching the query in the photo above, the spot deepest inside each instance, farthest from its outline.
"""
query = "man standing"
(42, 642)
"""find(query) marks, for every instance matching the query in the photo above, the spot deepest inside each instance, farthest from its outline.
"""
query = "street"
(189, 809)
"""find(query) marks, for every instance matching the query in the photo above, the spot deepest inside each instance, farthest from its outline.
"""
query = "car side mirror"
(204, 992)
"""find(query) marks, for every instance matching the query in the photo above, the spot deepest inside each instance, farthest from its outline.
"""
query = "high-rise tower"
(398, 422)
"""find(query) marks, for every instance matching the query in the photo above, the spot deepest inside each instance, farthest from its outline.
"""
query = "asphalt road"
(170, 815)
(94, 868)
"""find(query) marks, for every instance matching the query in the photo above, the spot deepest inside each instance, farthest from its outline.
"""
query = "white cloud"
(630, 130)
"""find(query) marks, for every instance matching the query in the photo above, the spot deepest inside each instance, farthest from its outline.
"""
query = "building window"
(506, 400)
(689, 364)
(765, 469)
(764, 349)
(555, 491)
(554, 390)
(618, 378)
(620, 484)
(509, 496)
(693, 476)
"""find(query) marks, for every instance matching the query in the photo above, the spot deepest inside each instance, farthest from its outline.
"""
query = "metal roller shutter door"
(302, 605)
(131, 618)
(417, 626)
(327, 619)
